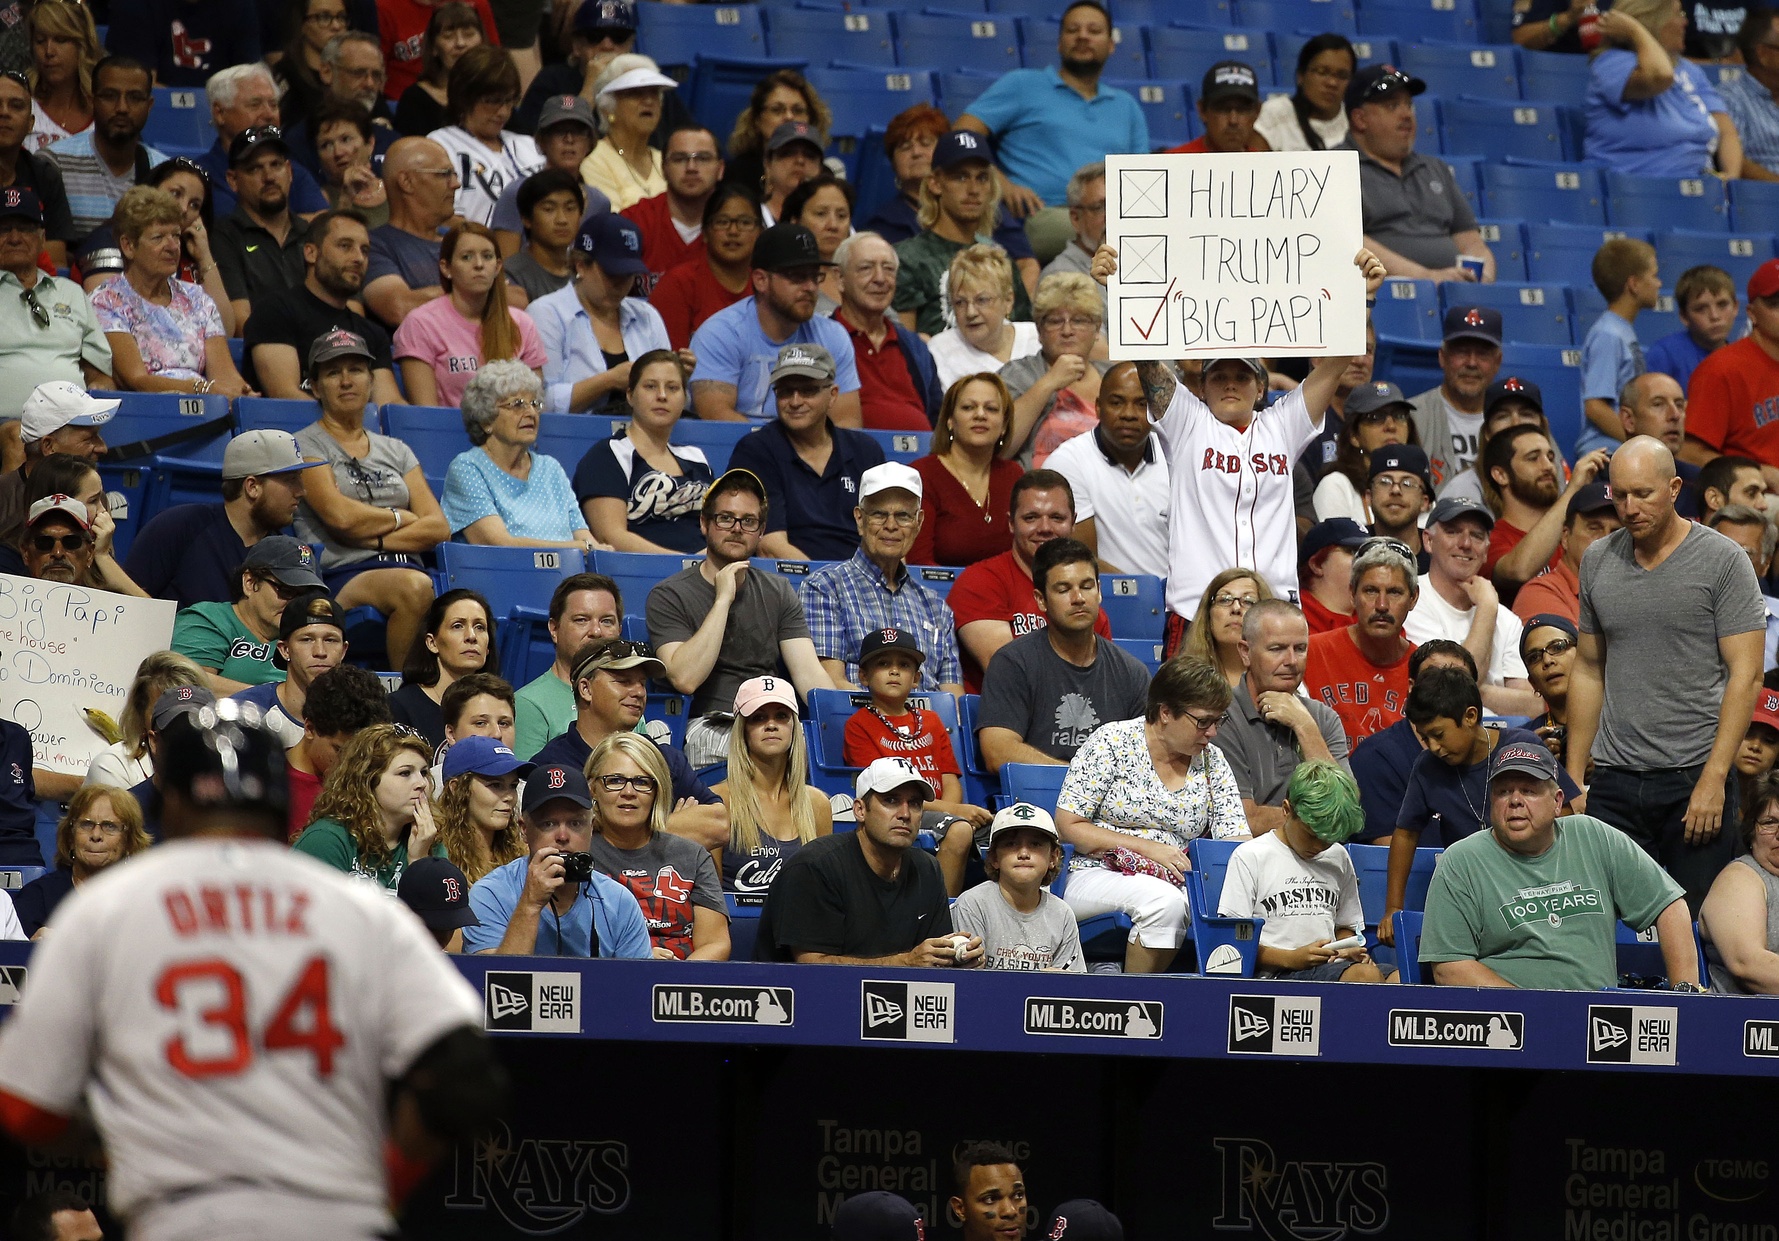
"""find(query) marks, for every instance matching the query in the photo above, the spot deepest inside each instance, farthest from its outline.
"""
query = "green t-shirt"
(920, 282)
(1549, 921)
(327, 840)
(211, 635)
(542, 711)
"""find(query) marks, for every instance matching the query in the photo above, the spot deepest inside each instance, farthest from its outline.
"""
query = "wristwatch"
(1693, 987)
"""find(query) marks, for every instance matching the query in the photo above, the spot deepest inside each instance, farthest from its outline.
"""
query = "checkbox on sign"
(1141, 321)
(1143, 194)
(1142, 259)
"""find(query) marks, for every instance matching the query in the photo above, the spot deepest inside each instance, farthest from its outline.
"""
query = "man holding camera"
(590, 915)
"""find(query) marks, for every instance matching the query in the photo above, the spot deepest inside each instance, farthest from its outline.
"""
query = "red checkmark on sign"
(1158, 309)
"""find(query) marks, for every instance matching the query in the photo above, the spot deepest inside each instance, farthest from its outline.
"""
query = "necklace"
(901, 734)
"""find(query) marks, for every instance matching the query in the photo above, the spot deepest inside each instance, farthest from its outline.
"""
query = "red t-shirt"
(1732, 402)
(867, 739)
(662, 248)
(958, 530)
(1367, 698)
(401, 25)
(1198, 146)
(1000, 589)
(687, 296)
(887, 397)
(304, 789)
(1503, 539)
(1321, 617)
(1557, 592)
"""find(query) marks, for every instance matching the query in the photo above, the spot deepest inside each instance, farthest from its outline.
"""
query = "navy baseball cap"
(438, 892)
(1594, 497)
(1335, 532)
(960, 146)
(1473, 323)
(252, 139)
(1229, 79)
(613, 242)
(1081, 1219)
(1512, 388)
(880, 640)
(1411, 458)
(1375, 82)
(289, 560)
(1453, 507)
(17, 202)
(878, 1216)
(1524, 757)
(1546, 620)
(794, 131)
(482, 756)
(1370, 397)
(178, 701)
(602, 16)
(547, 784)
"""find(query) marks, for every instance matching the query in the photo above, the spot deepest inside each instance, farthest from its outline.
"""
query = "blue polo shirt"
(605, 905)
(732, 348)
(815, 510)
(1676, 354)
(1043, 130)
(189, 554)
(18, 799)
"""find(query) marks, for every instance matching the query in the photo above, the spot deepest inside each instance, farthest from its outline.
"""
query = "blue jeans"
(1650, 808)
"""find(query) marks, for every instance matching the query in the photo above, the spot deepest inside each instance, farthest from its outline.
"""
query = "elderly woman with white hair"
(1055, 389)
(480, 95)
(627, 96)
(981, 338)
(500, 493)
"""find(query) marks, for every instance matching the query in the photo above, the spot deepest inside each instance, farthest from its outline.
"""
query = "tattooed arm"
(1159, 379)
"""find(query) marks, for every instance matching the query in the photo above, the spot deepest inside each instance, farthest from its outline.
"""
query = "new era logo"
(1249, 1025)
(1604, 1034)
(536, 1002)
(1266, 1025)
(1640, 1034)
(880, 1011)
(914, 1012)
(505, 1003)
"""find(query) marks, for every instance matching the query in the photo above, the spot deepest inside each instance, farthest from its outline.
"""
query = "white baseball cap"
(68, 506)
(890, 476)
(886, 775)
(52, 406)
(637, 79)
(1022, 814)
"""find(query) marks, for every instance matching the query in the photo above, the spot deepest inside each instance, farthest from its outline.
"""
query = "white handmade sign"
(1235, 255)
(64, 649)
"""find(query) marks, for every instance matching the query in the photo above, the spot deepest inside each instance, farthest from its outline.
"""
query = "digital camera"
(576, 867)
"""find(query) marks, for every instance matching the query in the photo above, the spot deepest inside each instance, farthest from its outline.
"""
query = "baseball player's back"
(232, 1013)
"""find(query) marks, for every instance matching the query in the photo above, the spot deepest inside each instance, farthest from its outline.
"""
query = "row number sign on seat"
(546, 560)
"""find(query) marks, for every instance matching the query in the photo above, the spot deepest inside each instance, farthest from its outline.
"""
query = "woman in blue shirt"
(638, 492)
(1651, 112)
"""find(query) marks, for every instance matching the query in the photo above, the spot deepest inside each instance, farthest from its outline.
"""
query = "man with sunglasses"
(234, 642)
(611, 686)
(58, 542)
(718, 623)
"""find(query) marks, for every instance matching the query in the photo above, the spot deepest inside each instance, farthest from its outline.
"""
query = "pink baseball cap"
(764, 691)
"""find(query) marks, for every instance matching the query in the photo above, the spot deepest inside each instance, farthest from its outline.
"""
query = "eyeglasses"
(749, 522)
(285, 593)
(617, 784)
(67, 542)
(1562, 646)
(1404, 485)
(104, 825)
(877, 519)
(38, 312)
(1235, 603)
(981, 304)
(700, 158)
(1330, 75)
(363, 479)
(1395, 545)
(1766, 827)
(519, 404)
(1204, 723)
(1064, 323)
(734, 223)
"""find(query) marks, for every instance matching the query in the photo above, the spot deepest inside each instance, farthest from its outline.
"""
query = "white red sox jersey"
(1232, 498)
(231, 1012)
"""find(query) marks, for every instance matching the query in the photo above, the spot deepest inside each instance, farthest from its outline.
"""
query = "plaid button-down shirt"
(846, 601)
(1756, 114)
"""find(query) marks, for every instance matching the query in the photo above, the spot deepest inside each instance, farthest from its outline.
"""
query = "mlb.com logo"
(1632, 1035)
(1275, 1025)
(535, 1002)
(908, 1012)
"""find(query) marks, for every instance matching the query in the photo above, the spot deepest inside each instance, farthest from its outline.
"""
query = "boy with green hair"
(1301, 880)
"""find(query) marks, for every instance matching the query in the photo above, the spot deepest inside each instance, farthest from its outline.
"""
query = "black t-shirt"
(1712, 27)
(189, 554)
(298, 319)
(827, 899)
(41, 173)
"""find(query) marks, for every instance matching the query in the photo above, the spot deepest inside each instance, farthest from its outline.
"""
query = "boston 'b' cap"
(1513, 388)
(178, 701)
(1473, 323)
(1229, 79)
(886, 775)
(289, 560)
(786, 247)
(1082, 1219)
(262, 453)
(613, 242)
(794, 131)
(546, 784)
(758, 692)
(1453, 507)
(878, 1216)
(567, 109)
(1524, 757)
(1411, 458)
(1375, 82)
(1594, 497)
(21, 203)
(880, 640)
(1369, 397)
(436, 890)
(1335, 532)
(959, 147)
(1766, 708)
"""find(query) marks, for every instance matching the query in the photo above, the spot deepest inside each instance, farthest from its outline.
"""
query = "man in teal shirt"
(584, 608)
(1535, 900)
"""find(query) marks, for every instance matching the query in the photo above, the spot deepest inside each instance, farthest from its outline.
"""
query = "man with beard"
(1457, 601)
(259, 246)
(191, 553)
(58, 541)
(244, 97)
(336, 252)
(1401, 491)
(1450, 417)
(100, 163)
(736, 346)
(1530, 504)
(1362, 671)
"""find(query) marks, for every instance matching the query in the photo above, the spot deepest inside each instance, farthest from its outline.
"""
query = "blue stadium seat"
(1371, 863)
(265, 413)
(903, 446)
(1309, 16)
(164, 448)
(1429, 140)
(1754, 204)
(179, 122)
(829, 709)
(1183, 52)
(569, 437)
(1471, 71)
(1507, 241)
(1667, 202)
(1497, 129)
(1587, 303)
(668, 709)
(1556, 369)
(865, 37)
(518, 581)
(1465, 171)
(1535, 313)
(1408, 948)
(1167, 107)
(1564, 253)
(1147, 651)
(715, 439)
(1572, 195)
(795, 570)
(981, 786)
(679, 34)
(875, 178)
(436, 435)
(637, 573)
(959, 88)
(862, 98)
(1557, 76)
(721, 85)
(1411, 365)
(1225, 945)
(980, 40)
(1036, 783)
(1405, 20)
(1653, 324)
(1153, 13)
(1739, 253)
(744, 928)
(1038, 36)
(634, 628)
(1407, 309)
(1371, 49)
(1135, 604)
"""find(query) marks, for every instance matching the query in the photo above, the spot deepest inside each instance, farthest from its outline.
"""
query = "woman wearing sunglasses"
(674, 880)
(375, 808)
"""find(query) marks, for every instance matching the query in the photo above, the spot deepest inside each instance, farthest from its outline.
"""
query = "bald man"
(403, 274)
(1654, 404)
(1669, 662)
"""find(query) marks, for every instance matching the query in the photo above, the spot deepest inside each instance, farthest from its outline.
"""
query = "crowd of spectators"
(1402, 638)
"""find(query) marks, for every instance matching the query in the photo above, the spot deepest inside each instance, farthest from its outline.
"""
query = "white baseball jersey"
(1232, 495)
(231, 1012)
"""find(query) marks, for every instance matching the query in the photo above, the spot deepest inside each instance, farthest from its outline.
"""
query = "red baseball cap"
(1766, 709)
(1765, 281)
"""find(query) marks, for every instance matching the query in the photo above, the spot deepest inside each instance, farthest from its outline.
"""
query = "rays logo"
(1298, 1200)
(540, 1186)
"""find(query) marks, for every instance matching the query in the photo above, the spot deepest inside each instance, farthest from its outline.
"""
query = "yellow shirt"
(608, 172)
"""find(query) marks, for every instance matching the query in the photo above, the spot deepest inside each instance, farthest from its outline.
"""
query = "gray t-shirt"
(1054, 705)
(529, 274)
(668, 877)
(1048, 938)
(1667, 619)
(379, 478)
(765, 613)
(1264, 755)
(1415, 214)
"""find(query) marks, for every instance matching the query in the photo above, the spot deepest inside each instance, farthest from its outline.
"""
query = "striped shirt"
(846, 601)
(93, 189)
(1756, 114)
